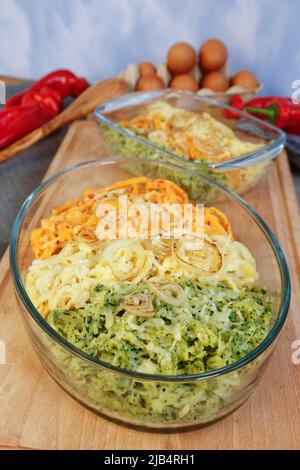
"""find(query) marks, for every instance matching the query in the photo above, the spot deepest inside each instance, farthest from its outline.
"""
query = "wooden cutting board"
(36, 413)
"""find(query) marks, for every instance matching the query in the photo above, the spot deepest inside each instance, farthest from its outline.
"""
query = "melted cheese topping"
(77, 220)
(66, 279)
(71, 260)
(189, 134)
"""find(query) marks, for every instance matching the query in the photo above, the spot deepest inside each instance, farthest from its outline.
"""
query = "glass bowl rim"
(135, 98)
(57, 338)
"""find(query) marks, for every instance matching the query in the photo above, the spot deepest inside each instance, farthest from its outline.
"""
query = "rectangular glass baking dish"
(239, 173)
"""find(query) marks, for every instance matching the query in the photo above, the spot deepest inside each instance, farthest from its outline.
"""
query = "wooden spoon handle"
(80, 107)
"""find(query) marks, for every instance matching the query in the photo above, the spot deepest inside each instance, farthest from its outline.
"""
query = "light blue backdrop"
(97, 38)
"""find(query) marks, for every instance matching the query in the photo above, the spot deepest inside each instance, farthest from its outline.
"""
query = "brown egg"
(181, 58)
(149, 82)
(212, 55)
(146, 68)
(245, 79)
(185, 82)
(215, 81)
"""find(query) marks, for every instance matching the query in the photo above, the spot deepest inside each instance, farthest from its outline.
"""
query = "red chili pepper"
(34, 107)
(66, 83)
(263, 102)
(281, 112)
(47, 98)
(293, 126)
(237, 103)
(16, 122)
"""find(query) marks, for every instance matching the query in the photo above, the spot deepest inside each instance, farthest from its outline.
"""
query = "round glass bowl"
(238, 173)
(127, 396)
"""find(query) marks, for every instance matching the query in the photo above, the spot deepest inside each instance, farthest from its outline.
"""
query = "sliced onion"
(210, 149)
(207, 258)
(160, 247)
(158, 136)
(170, 293)
(126, 258)
(87, 235)
(139, 305)
(112, 194)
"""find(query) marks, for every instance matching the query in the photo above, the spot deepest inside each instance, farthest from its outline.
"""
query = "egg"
(181, 58)
(185, 82)
(215, 81)
(212, 55)
(146, 68)
(245, 79)
(149, 82)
